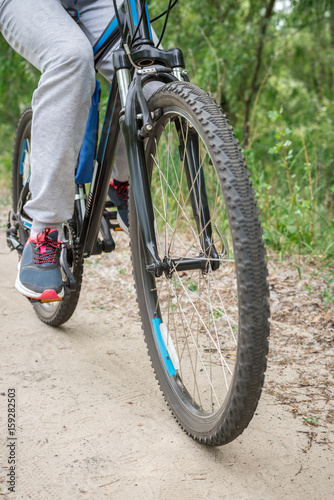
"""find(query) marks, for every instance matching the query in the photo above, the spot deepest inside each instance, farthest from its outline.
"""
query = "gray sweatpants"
(44, 33)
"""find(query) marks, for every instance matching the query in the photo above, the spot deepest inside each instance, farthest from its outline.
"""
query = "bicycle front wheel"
(205, 319)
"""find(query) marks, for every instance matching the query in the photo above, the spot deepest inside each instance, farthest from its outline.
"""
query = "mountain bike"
(196, 242)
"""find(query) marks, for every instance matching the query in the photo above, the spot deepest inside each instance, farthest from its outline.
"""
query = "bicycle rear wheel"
(205, 319)
(51, 313)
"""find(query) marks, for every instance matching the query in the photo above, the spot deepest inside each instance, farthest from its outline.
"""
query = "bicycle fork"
(129, 95)
(137, 164)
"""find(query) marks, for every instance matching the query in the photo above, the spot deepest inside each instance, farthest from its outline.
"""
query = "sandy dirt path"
(91, 422)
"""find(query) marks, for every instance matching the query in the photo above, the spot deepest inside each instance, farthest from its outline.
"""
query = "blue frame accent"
(23, 149)
(134, 12)
(105, 35)
(28, 179)
(148, 21)
(84, 170)
(163, 350)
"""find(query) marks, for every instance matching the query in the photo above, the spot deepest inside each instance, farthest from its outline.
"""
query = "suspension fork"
(140, 183)
(129, 92)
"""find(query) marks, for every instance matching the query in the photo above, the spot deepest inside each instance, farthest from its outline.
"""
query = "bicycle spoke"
(201, 314)
(200, 352)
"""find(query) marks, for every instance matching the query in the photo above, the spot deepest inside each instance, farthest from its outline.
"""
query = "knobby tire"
(216, 320)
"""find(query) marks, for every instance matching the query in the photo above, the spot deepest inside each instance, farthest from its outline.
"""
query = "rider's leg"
(44, 34)
(94, 18)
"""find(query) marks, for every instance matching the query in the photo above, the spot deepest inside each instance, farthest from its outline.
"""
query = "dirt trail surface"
(91, 422)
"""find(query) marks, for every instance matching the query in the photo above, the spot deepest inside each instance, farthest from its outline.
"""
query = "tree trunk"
(254, 84)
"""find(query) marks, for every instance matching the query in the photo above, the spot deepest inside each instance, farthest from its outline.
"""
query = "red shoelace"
(122, 190)
(47, 250)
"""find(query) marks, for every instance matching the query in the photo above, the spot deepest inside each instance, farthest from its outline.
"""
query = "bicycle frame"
(206, 335)
(127, 108)
(122, 98)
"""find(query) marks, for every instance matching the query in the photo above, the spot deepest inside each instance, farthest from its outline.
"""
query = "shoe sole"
(122, 224)
(46, 295)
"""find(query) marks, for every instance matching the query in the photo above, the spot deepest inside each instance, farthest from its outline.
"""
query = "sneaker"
(39, 275)
(119, 195)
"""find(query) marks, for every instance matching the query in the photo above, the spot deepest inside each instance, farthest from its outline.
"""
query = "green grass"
(296, 201)
(6, 144)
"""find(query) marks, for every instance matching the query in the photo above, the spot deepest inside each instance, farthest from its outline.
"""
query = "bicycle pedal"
(12, 240)
(114, 227)
(43, 301)
(109, 204)
(47, 301)
(111, 218)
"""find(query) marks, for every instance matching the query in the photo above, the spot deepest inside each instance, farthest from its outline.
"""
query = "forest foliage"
(270, 66)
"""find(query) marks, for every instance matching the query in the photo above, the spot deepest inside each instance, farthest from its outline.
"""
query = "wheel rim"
(198, 309)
